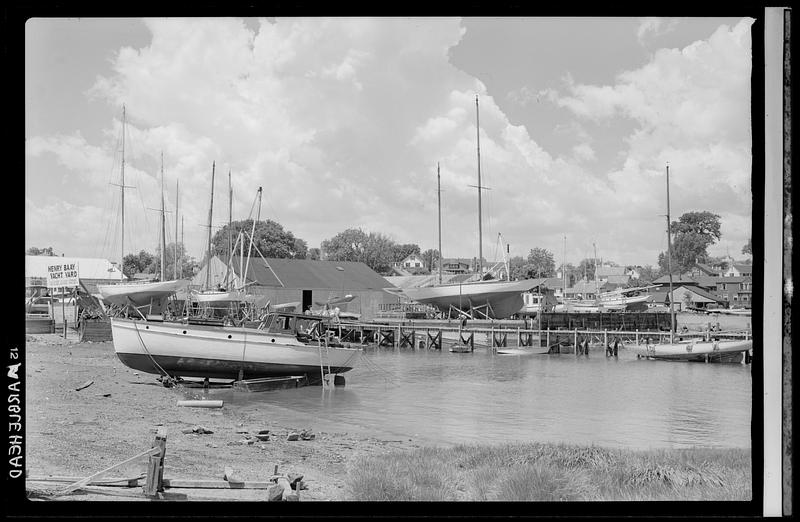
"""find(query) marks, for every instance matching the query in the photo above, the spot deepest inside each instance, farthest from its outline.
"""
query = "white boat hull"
(139, 294)
(185, 350)
(691, 350)
(524, 350)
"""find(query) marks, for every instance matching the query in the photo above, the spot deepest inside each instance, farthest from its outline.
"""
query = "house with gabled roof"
(735, 291)
(685, 297)
(703, 269)
(705, 282)
(739, 270)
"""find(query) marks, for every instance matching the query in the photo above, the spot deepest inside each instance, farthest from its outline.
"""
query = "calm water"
(487, 398)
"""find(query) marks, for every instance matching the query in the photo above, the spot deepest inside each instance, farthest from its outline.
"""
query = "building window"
(735, 297)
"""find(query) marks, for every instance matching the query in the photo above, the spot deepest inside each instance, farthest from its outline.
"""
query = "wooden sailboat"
(143, 297)
(688, 349)
(279, 344)
(225, 302)
(489, 299)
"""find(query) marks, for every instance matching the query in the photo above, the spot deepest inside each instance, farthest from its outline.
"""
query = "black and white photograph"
(466, 259)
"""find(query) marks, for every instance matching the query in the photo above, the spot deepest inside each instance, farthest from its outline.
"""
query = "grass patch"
(551, 472)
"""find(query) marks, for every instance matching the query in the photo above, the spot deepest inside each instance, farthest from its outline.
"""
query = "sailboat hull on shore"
(139, 294)
(503, 298)
(185, 350)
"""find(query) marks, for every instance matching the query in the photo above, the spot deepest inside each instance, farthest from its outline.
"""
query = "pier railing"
(432, 336)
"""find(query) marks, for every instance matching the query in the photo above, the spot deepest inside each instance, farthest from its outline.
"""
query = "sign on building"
(62, 275)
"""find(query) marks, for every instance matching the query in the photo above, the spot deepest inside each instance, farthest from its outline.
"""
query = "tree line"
(691, 235)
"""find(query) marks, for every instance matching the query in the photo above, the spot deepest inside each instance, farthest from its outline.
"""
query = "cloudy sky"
(343, 122)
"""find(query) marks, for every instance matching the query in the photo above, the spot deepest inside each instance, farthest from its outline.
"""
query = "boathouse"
(301, 283)
(686, 297)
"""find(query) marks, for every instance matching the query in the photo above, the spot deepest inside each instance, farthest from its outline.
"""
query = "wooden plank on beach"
(201, 404)
(216, 484)
(83, 482)
(270, 383)
(125, 482)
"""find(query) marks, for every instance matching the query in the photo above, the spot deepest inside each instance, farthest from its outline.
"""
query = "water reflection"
(481, 397)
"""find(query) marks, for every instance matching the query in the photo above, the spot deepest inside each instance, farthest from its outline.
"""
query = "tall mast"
(177, 203)
(122, 190)
(210, 212)
(596, 283)
(439, 192)
(252, 237)
(564, 270)
(182, 243)
(230, 224)
(669, 268)
(480, 218)
(163, 221)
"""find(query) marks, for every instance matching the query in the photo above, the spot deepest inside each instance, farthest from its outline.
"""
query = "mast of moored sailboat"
(252, 237)
(210, 213)
(480, 227)
(439, 192)
(122, 207)
(564, 272)
(163, 222)
(669, 268)
(230, 224)
(596, 283)
(177, 203)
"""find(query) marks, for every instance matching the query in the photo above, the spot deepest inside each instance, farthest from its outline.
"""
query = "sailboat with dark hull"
(489, 299)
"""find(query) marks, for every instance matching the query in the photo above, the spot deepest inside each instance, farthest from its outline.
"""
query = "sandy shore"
(77, 433)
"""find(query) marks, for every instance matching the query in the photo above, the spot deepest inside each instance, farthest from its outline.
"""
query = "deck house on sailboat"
(305, 283)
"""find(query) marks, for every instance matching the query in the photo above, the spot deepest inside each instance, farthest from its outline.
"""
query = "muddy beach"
(73, 432)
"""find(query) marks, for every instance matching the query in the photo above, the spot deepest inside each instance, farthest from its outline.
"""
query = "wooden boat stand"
(280, 487)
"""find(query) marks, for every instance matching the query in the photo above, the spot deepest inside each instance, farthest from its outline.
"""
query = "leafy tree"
(314, 254)
(345, 246)
(722, 262)
(186, 264)
(141, 263)
(542, 262)
(586, 268)
(373, 249)
(400, 252)
(647, 274)
(33, 251)
(431, 259)
(692, 234)
(269, 237)
(538, 263)
(748, 248)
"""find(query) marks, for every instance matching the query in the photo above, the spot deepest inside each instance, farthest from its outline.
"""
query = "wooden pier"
(584, 331)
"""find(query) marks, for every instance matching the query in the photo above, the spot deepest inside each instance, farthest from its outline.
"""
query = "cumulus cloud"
(691, 107)
(652, 26)
(343, 121)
